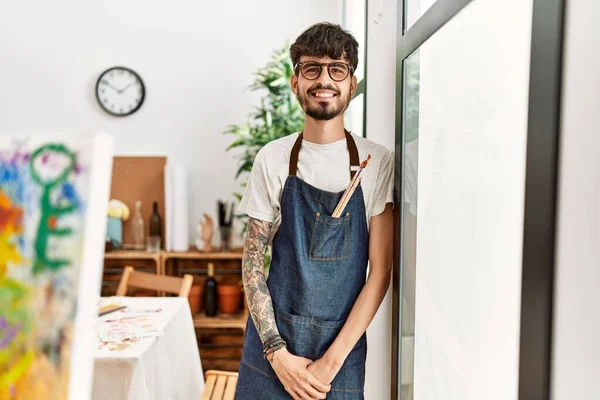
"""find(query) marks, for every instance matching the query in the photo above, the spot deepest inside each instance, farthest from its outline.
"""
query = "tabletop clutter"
(118, 323)
(143, 236)
(149, 236)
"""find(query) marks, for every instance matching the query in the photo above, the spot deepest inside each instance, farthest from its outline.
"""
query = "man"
(306, 335)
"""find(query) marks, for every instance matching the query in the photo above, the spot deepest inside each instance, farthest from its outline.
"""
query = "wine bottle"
(210, 293)
(155, 222)
(137, 227)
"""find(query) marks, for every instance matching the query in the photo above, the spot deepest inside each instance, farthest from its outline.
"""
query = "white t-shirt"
(325, 166)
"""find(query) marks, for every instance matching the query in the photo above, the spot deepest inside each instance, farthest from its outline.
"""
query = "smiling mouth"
(323, 95)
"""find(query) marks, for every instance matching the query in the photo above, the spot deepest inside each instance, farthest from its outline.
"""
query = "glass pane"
(355, 22)
(463, 175)
(354, 115)
(413, 10)
(409, 219)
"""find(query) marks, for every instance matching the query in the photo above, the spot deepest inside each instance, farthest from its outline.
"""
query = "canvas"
(53, 201)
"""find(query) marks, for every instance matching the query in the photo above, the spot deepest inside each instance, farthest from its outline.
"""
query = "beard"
(323, 110)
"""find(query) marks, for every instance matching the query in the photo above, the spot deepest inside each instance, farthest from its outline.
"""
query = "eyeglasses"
(337, 71)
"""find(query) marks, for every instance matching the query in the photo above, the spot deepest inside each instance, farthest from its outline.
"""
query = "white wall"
(474, 82)
(196, 62)
(576, 353)
(195, 57)
(381, 94)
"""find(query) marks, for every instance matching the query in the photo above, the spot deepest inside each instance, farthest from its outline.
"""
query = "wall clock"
(120, 91)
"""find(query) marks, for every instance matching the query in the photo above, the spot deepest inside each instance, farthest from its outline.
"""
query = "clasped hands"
(302, 378)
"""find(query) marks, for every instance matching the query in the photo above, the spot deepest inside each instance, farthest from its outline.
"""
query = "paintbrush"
(225, 213)
(351, 188)
(231, 211)
(110, 310)
(221, 213)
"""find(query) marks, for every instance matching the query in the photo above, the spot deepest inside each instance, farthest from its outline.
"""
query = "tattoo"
(260, 304)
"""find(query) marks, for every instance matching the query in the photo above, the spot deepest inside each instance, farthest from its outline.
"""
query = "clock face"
(120, 91)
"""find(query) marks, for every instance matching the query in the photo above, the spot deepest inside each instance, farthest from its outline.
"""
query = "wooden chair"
(220, 385)
(160, 283)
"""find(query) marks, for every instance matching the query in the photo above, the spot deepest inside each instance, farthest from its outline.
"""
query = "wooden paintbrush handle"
(347, 195)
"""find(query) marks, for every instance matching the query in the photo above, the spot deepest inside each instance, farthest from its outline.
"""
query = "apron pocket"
(306, 336)
(330, 238)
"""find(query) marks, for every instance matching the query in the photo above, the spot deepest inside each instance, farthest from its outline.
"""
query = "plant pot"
(230, 298)
(194, 298)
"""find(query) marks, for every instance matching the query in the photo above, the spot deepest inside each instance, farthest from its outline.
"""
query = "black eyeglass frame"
(299, 65)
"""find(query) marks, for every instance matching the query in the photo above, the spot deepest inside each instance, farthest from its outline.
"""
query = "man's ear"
(353, 86)
(294, 85)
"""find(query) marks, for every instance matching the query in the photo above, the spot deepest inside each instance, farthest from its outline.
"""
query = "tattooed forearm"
(253, 274)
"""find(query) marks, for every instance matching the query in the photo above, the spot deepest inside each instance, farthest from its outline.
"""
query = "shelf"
(130, 254)
(191, 254)
(221, 321)
(198, 255)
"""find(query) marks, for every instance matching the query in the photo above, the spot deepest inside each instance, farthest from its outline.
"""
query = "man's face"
(323, 98)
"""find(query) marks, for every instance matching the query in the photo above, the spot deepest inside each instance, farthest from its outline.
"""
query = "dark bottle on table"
(210, 293)
(155, 222)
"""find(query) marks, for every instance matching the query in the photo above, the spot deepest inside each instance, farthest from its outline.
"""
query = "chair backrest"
(160, 283)
(220, 385)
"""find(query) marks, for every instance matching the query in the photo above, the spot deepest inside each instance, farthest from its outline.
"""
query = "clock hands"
(109, 85)
(122, 90)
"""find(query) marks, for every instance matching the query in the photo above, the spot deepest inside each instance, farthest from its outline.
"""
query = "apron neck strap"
(352, 150)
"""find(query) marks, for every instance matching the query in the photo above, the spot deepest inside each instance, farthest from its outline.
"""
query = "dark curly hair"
(325, 39)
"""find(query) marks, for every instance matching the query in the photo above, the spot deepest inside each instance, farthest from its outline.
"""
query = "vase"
(225, 238)
(114, 232)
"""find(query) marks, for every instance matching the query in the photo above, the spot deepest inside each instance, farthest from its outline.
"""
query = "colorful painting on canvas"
(44, 189)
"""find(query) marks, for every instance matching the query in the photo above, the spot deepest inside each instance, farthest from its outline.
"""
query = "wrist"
(334, 358)
(277, 354)
(273, 344)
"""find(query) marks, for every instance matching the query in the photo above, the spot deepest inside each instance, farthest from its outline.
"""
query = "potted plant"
(277, 115)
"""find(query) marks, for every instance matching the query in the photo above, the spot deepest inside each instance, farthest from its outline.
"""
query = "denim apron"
(318, 269)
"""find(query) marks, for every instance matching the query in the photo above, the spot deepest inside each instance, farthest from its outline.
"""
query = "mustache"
(320, 86)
